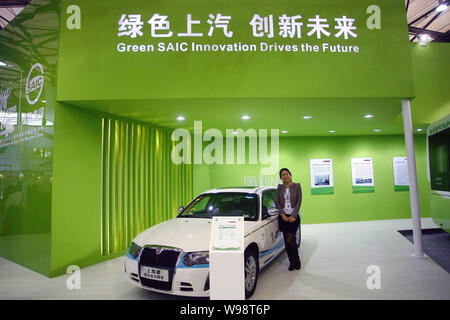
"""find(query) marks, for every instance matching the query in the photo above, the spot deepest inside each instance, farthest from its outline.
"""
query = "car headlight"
(134, 250)
(198, 257)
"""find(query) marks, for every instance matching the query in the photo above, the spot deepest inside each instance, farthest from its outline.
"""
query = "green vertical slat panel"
(150, 177)
(158, 179)
(146, 177)
(130, 179)
(108, 186)
(112, 189)
(143, 174)
(115, 183)
(128, 182)
(140, 185)
(169, 165)
(103, 220)
(163, 169)
(122, 241)
(137, 178)
(170, 185)
(182, 179)
(189, 173)
(153, 177)
(174, 185)
(128, 235)
(157, 186)
(133, 177)
(141, 178)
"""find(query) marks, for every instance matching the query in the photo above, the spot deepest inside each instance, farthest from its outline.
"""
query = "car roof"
(246, 189)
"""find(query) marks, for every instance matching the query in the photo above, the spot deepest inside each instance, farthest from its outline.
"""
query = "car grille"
(166, 259)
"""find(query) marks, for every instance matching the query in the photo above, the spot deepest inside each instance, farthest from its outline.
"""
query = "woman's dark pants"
(289, 230)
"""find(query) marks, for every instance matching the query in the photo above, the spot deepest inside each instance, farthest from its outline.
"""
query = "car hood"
(189, 234)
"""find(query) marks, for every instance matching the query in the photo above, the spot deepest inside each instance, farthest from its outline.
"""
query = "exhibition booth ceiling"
(344, 116)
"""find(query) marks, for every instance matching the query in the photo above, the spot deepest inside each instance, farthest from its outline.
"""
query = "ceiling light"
(377, 130)
(284, 131)
(425, 37)
(245, 117)
(368, 116)
(332, 131)
(442, 7)
(420, 130)
(180, 118)
(307, 117)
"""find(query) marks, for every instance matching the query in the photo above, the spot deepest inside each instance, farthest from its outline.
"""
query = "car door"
(270, 232)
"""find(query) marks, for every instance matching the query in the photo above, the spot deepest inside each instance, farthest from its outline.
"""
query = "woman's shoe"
(298, 265)
(291, 267)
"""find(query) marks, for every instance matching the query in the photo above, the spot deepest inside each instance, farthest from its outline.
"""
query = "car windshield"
(223, 204)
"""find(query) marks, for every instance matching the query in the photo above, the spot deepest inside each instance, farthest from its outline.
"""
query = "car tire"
(251, 267)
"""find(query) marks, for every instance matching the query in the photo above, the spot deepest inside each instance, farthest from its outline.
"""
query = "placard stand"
(226, 259)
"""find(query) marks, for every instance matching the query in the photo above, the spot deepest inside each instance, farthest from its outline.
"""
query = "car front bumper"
(186, 281)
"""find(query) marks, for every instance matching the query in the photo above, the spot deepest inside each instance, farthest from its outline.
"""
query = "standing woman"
(288, 202)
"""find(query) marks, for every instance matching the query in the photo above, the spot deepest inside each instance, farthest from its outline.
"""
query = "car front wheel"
(251, 272)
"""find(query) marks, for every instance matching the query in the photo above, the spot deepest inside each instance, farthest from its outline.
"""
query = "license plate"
(155, 274)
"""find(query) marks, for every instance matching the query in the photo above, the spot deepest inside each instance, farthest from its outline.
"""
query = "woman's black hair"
(285, 169)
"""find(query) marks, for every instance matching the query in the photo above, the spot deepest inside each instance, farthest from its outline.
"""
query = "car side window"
(274, 193)
(268, 201)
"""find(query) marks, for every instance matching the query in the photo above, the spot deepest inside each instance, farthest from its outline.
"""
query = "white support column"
(412, 173)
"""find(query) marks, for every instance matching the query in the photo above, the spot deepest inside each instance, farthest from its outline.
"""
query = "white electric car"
(172, 257)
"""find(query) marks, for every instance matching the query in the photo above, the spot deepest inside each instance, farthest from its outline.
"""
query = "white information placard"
(401, 178)
(226, 259)
(362, 172)
(362, 175)
(321, 171)
(228, 233)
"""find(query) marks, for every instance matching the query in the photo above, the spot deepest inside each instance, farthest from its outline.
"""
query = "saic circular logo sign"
(35, 84)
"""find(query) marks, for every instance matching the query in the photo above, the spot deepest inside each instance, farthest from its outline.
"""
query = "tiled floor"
(335, 258)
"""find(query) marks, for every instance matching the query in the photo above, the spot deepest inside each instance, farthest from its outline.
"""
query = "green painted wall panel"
(76, 214)
(432, 82)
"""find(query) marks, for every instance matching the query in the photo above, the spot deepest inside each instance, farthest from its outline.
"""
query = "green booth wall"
(343, 205)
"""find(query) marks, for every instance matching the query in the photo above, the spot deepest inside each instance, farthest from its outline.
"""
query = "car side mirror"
(180, 209)
(273, 211)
